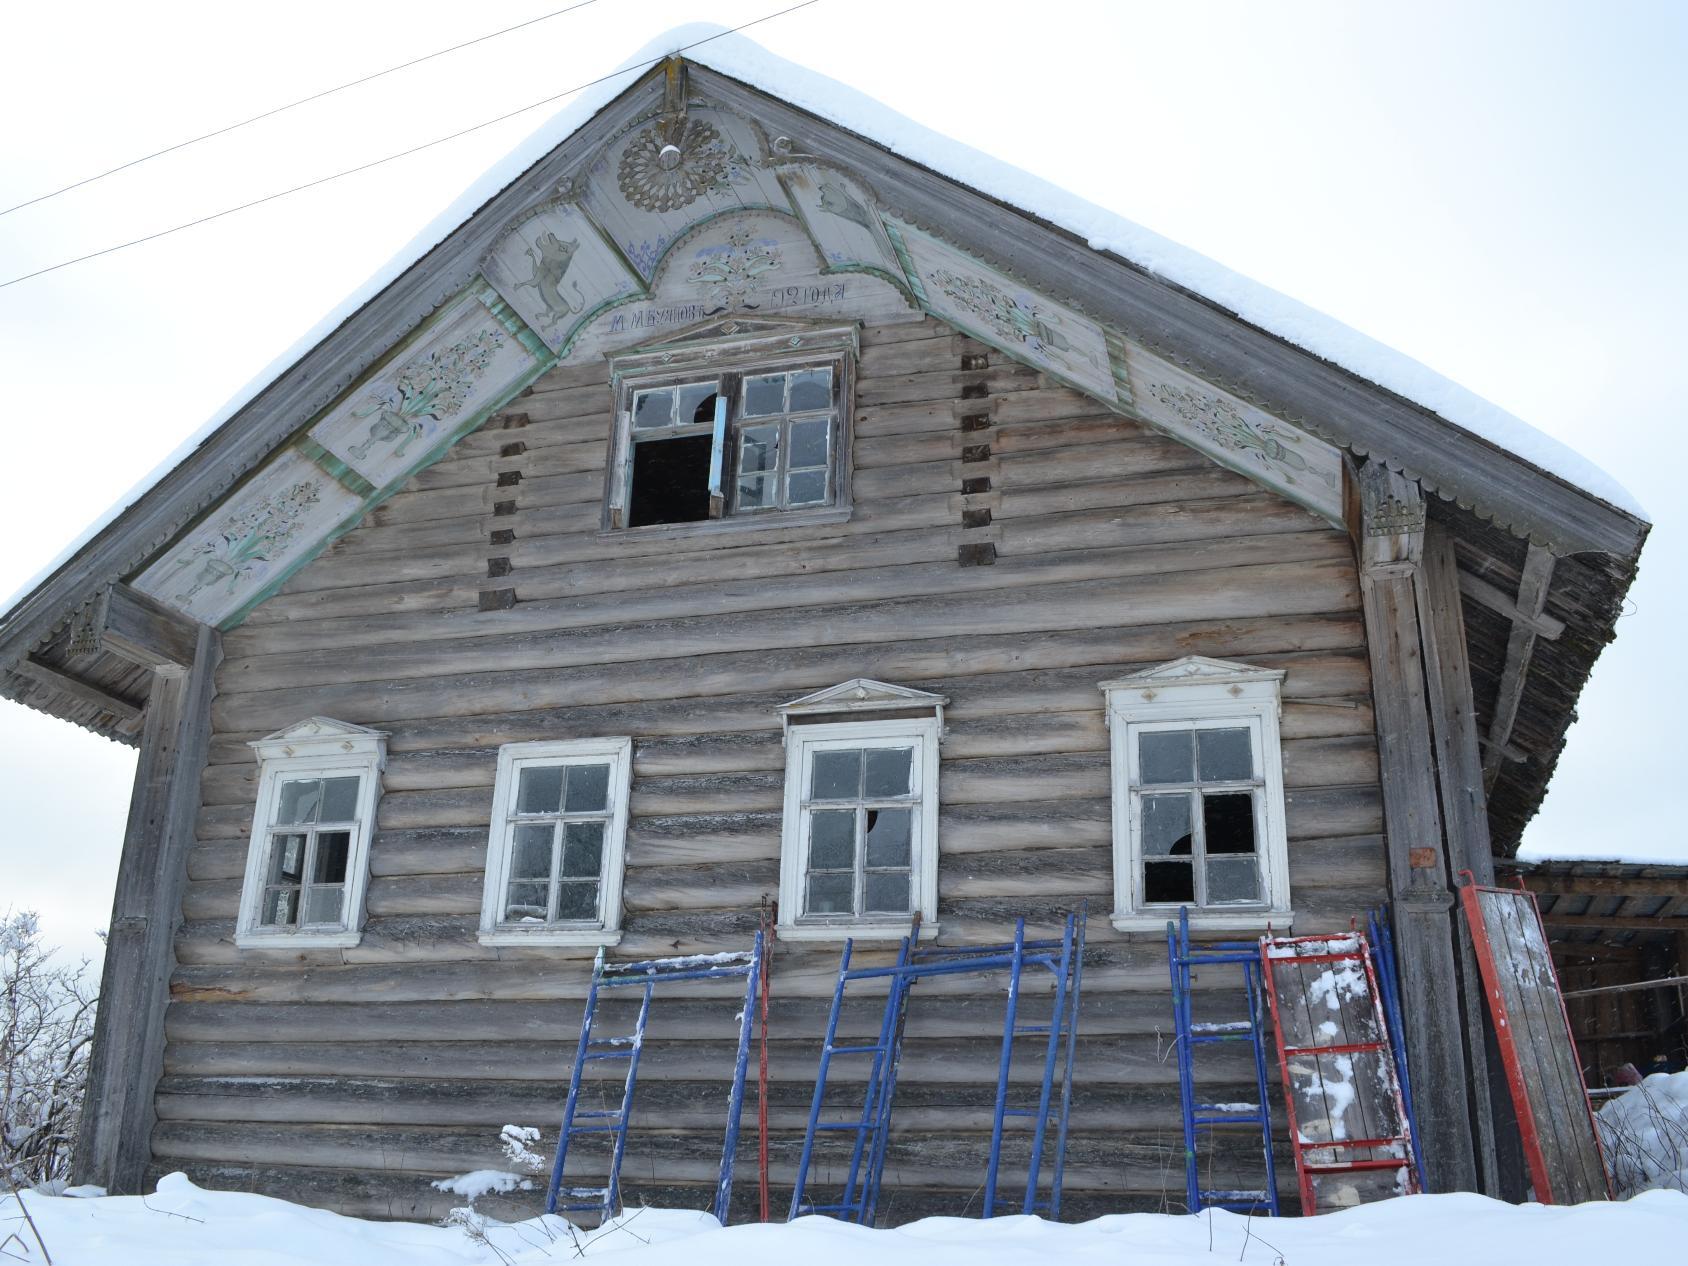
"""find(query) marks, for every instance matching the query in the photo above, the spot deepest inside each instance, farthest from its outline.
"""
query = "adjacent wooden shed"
(735, 506)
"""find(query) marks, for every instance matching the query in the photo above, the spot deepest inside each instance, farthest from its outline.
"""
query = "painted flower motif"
(430, 388)
(732, 270)
(674, 163)
(257, 534)
(1222, 423)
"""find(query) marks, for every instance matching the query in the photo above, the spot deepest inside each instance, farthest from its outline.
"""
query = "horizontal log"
(1607, 885)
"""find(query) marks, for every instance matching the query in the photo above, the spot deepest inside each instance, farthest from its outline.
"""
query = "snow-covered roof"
(742, 59)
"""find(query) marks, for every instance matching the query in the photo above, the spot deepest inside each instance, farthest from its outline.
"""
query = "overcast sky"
(1497, 189)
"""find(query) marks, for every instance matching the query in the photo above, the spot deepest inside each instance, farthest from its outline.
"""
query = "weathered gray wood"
(112, 1149)
(1482, 592)
(75, 688)
(1391, 542)
(1533, 589)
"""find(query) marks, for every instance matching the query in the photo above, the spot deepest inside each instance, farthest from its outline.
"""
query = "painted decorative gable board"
(683, 217)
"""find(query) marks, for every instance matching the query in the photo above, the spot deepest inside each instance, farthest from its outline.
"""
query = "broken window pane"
(694, 403)
(588, 789)
(755, 492)
(1164, 756)
(280, 907)
(888, 772)
(830, 894)
(811, 389)
(287, 859)
(652, 409)
(1228, 822)
(832, 839)
(339, 799)
(539, 789)
(758, 449)
(332, 850)
(1166, 826)
(886, 894)
(837, 776)
(577, 901)
(527, 904)
(299, 801)
(1232, 879)
(1166, 881)
(583, 849)
(888, 835)
(322, 905)
(1226, 755)
(764, 395)
(670, 481)
(531, 856)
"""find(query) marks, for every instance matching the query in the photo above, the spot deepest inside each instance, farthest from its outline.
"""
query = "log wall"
(352, 1077)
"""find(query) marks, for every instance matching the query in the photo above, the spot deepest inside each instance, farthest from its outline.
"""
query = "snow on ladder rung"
(1229, 1026)
(1233, 1197)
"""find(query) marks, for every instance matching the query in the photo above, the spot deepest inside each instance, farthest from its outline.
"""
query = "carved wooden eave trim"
(862, 696)
(1193, 670)
(321, 736)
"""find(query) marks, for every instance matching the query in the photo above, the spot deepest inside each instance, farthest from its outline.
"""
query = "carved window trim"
(513, 758)
(316, 748)
(729, 361)
(1194, 694)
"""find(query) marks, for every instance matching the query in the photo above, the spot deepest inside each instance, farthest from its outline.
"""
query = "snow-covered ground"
(181, 1225)
(1645, 1134)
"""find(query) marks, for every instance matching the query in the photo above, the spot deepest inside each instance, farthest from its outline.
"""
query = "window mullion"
(554, 890)
(718, 449)
(858, 879)
(1198, 845)
(307, 868)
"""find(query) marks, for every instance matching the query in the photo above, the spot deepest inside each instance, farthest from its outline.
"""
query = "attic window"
(763, 433)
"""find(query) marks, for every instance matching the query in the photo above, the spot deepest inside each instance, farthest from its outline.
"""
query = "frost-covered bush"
(46, 1030)
(1645, 1134)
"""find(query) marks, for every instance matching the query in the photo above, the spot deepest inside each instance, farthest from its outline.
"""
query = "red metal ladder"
(1348, 1124)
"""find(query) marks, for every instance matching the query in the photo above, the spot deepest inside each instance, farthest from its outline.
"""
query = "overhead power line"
(414, 149)
(292, 105)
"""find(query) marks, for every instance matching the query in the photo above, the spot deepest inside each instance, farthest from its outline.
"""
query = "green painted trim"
(915, 286)
(332, 466)
(1117, 364)
(820, 251)
(511, 320)
(697, 226)
(441, 447)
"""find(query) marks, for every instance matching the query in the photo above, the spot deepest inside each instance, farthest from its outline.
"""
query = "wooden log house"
(732, 509)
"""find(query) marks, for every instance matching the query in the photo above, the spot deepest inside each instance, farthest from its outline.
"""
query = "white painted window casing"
(1195, 748)
(771, 413)
(556, 848)
(307, 866)
(859, 845)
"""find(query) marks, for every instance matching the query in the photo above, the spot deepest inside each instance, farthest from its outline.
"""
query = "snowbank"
(1645, 1134)
(184, 1226)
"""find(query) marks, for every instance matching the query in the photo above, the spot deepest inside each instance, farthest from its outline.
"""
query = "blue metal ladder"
(1183, 959)
(1063, 957)
(579, 1122)
(1382, 941)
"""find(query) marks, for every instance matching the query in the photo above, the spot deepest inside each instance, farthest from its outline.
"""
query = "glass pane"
(808, 443)
(829, 894)
(805, 488)
(589, 789)
(758, 449)
(1228, 821)
(696, 403)
(838, 776)
(888, 772)
(339, 799)
(280, 907)
(886, 894)
(332, 848)
(811, 389)
(577, 901)
(888, 834)
(1232, 879)
(583, 849)
(287, 859)
(832, 839)
(322, 905)
(299, 801)
(756, 492)
(530, 858)
(764, 395)
(1166, 826)
(1168, 881)
(527, 903)
(539, 789)
(653, 409)
(1164, 756)
(1226, 755)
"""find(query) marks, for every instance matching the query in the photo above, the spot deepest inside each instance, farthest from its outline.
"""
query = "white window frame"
(801, 742)
(512, 759)
(315, 748)
(742, 355)
(1191, 694)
